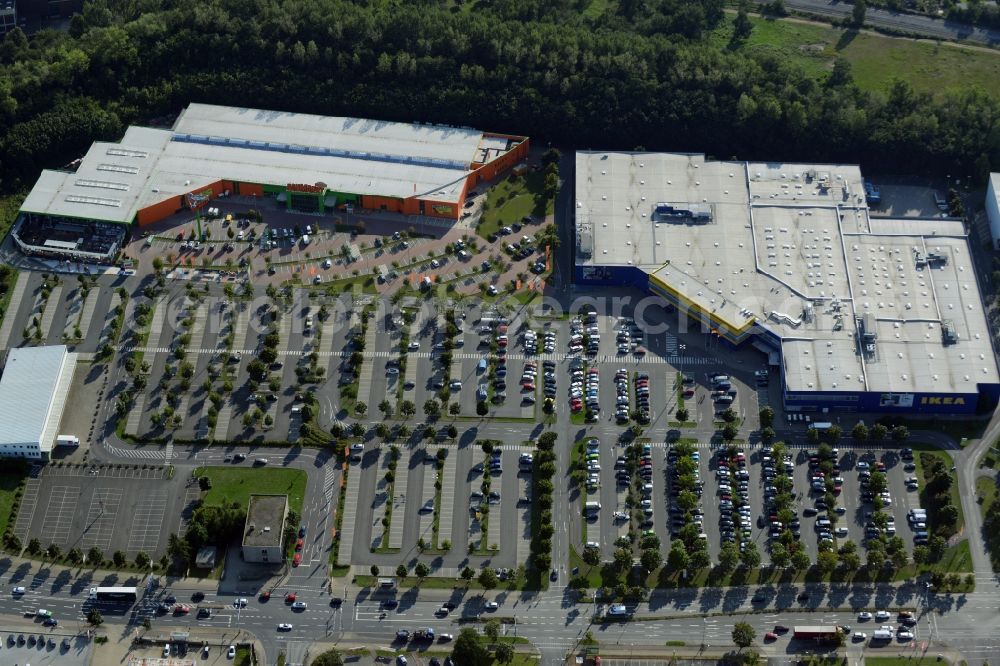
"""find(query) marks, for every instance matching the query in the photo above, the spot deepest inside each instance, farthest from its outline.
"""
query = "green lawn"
(986, 495)
(875, 59)
(512, 199)
(955, 499)
(10, 480)
(237, 483)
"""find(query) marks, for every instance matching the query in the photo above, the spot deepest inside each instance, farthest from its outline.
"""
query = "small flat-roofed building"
(264, 530)
(861, 313)
(33, 391)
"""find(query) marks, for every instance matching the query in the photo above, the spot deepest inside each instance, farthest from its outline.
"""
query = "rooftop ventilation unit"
(948, 334)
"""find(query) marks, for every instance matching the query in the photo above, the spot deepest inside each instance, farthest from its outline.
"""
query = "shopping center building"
(860, 313)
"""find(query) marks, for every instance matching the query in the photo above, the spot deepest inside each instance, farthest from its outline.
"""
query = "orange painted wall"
(159, 211)
(249, 189)
(375, 203)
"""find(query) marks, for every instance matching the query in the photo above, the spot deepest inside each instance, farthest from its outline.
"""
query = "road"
(899, 21)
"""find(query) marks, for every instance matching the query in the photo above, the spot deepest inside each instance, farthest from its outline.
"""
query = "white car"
(392, 370)
(19, 590)
(864, 616)
(881, 615)
(240, 603)
(284, 626)
(492, 606)
(166, 650)
(231, 652)
(299, 605)
(860, 636)
(905, 636)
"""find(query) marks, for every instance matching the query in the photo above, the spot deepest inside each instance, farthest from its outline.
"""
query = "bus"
(118, 594)
(821, 426)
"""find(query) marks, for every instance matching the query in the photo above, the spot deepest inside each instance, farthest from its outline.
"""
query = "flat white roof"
(33, 389)
(791, 248)
(211, 143)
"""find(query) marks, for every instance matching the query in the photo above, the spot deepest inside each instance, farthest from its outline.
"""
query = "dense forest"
(642, 74)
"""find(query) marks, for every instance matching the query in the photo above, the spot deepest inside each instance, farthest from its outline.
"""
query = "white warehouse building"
(993, 208)
(33, 391)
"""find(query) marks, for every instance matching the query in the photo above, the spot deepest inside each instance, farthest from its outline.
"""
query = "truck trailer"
(818, 633)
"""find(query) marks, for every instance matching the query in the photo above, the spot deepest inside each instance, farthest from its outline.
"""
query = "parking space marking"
(349, 521)
(399, 499)
(59, 513)
(147, 522)
(100, 524)
(27, 512)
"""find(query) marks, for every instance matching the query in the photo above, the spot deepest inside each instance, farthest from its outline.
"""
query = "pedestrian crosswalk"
(670, 344)
(139, 453)
(329, 483)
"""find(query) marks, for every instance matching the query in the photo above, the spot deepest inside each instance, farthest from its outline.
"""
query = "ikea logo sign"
(942, 400)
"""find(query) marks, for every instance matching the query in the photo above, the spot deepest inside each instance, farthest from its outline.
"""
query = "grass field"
(986, 495)
(237, 483)
(875, 60)
(513, 198)
(955, 499)
(9, 482)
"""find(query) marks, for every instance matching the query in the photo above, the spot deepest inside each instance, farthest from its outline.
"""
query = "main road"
(915, 24)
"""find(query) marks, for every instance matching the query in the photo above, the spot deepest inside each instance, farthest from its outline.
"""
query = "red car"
(770, 636)
(297, 560)
(181, 609)
(300, 544)
(265, 595)
(527, 386)
(290, 597)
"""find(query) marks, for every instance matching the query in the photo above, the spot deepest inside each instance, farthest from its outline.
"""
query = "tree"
(432, 408)
(859, 433)
(467, 574)
(488, 578)
(95, 556)
(142, 560)
(422, 570)
(591, 556)
(375, 570)
(729, 556)
(468, 651)
(858, 13)
(900, 433)
(360, 408)
(407, 408)
(504, 653)
(651, 559)
(800, 559)
(331, 657)
(492, 630)
(53, 551)
(401, 571)
(826, 562)
(119, 558)
(878, 432)
(94, 617)
(743, 634)
(34, 546)
(742, 27)
(750, 557)
(779, 555)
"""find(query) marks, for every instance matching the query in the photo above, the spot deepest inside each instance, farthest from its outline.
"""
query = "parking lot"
(25, 648)
(738, 491)
(128, 508)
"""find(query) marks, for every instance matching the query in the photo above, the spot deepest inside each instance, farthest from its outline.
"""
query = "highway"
(914, 24)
